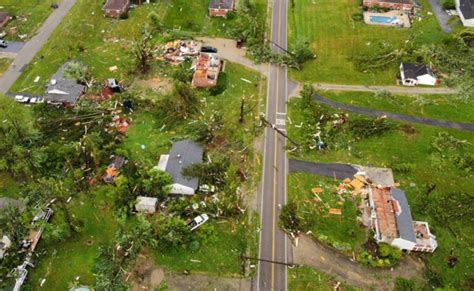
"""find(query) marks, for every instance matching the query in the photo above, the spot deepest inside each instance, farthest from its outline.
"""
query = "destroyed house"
(406, 5)
(392, 222)
(63, 90)
(115, 8)
(206, 70)
(4, 18)
(221, 7)
(183, 154)
(417, 74)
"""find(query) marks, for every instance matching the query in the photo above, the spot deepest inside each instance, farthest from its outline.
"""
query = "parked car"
(22, 99)
(54, 5)
(198, 221)
(36, 100)
(208, 49)
(3, 43)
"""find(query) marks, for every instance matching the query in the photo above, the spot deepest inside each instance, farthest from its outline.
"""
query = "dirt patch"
(162, 85)
(146, 275)
(329, 261)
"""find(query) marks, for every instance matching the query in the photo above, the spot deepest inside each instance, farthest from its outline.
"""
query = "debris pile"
(176, 52)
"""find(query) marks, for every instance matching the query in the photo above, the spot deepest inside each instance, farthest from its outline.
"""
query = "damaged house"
(206, 70)
(221, 7)
(63, 90)
(405, 5)
(391, 220)
(417, 74)
(116, 8)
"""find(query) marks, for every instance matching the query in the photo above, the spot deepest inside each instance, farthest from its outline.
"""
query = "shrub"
(449, 4)
(357, 16)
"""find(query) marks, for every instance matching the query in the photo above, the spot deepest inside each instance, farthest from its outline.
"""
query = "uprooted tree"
(143, 51)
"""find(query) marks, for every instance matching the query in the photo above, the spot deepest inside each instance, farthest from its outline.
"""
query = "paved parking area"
(13, 47)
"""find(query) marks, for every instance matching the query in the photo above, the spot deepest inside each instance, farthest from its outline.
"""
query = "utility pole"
(268, 261)
(268, 123)
(277, 45)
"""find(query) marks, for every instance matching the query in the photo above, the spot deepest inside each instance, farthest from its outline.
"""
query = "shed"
(146, 204)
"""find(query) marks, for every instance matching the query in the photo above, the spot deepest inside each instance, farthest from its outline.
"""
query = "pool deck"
(404, 20)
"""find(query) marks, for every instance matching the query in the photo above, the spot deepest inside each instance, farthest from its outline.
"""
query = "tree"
(172, 232)
(18, 138)
(302, 51)
(143, 51)
(155, 183)
(289, 219)
(78, 72)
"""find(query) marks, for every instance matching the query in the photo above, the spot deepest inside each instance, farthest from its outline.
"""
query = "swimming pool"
(383, 19)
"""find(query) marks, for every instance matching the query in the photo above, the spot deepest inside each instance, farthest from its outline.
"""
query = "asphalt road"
(339, 171)
(273, 241)
(31, 48)
(395, 116)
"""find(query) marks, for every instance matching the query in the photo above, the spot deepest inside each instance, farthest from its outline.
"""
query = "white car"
(22, 99)
(198, 221)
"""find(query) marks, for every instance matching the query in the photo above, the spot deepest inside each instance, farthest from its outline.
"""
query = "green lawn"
(8, 186)
(187, 15)
(85, 35)
(28, 15)
(423, 167)
(219, 255)
(63, 262)
(4, 64)
(341, 231)
(441, 107)
(336, 38)
(308, 279)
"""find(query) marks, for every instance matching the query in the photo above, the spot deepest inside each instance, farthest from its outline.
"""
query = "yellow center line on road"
(275, 164)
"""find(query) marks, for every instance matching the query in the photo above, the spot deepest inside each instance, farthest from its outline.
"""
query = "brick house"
(405, 5)
(116, 8)
(221, 7)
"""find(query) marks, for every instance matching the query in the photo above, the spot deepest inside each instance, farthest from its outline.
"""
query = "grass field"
(308, 279)
(61, 263)
(8, 186)
(441, 107)
(28, 15)
(335, 38)
(85, 35)
(341, 231)
(425, 167)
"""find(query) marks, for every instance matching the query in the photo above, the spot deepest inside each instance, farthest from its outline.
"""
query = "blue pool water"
(383, 19)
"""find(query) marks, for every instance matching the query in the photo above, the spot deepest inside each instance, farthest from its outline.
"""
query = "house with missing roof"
(207, 68)
(391, 220)
(417, 74)
(405, 5)
(116, 8)
(465, 9)
(63, 90)
(221, 7)
(183, 154)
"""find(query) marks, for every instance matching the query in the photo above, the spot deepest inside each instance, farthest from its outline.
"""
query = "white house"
(417, 74)
(146, 204)
(183, 154)
(465, 9)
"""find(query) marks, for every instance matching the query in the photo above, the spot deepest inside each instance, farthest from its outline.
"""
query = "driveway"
(441, 15)
(13, 47)
(394, 116)
(29, 50)
(327, 260)
(340, 171)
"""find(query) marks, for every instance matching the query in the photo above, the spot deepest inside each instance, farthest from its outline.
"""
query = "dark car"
(54, 5)
(3, 43)
(208, 49)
